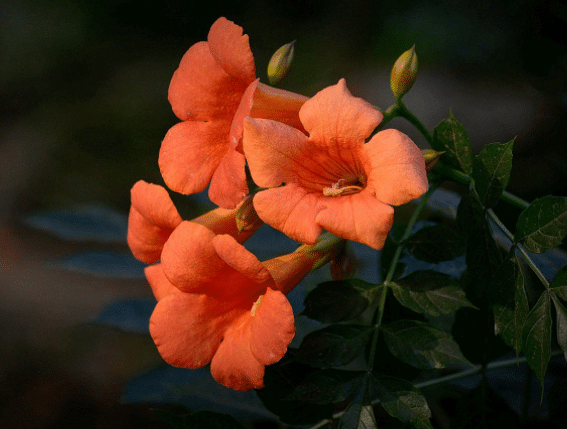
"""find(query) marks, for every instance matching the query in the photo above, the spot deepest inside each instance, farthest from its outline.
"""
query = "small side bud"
(280, 63)
(247, 219)
(431, 158)
(403, 73)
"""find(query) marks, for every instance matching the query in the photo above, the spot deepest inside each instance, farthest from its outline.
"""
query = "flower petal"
(358, 217)
(152, 218)
(187, 330)
(201, 90)
(397, 169)
(159, 283)
(228, 184)
(278, 153)
(231, 49)
(237, 257)
(190, 153)
(189, 259)
(273, 327)
(334, 118)
(234, 364)
(291, 210)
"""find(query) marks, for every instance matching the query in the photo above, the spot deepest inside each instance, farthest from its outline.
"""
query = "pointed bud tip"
(280, 63)
(247, 219)
(431, 157)
(404, 73)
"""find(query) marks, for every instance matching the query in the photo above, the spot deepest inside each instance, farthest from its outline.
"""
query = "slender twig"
(476, 369)
(528, 260)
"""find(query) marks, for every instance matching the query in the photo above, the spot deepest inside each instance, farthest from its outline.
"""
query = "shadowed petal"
(272, 327)
(189, 258)
(397, 169)
(291, 210)
(359, 217)
(201, 90)
(190, 153)
(185, 330)
(234, 365)
(151, 220)
(159, 283)
(333, 117)
(228, 183)
(231, 49)
(240, 259)
(278, 153)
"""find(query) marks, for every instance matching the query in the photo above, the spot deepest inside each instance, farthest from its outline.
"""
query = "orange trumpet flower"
(333, 179)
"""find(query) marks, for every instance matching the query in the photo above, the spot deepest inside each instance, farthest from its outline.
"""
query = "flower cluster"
(322, 167)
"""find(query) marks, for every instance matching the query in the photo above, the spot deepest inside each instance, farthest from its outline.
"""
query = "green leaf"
(401, 400)
(338, 301)
(450, 136)
(491, 171)
(537, 336)
(509, 302)
(335, 345)
(359, 413)
(543, 225)
(436, 244)
(280, 380)
(561, 314)
(559, 283)
(429, 292)
(483, 256)
(469, 213)
(422, 345)
(328, 386)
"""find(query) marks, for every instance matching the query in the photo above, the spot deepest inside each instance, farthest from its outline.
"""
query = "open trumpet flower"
(332, 178)
(152, 219)
(226, 307)
(212, 91)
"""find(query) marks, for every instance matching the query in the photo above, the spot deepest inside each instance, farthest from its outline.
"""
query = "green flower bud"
(404, 73)
(246, 218)
(431, 157)
(280, 63)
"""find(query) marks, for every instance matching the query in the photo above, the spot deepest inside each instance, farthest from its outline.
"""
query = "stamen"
(336, 190)
(256, 305)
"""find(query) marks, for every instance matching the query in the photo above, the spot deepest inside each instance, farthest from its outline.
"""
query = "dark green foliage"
(543, 225)
(422, 345)
(335, 345)
(435, 244)
(450, 136)
(491, 172)
(339, 301)
(430, 292)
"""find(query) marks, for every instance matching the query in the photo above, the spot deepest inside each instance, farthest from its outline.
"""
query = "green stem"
(464, 179)
(397, 254)
(520, 248)
(405, 113)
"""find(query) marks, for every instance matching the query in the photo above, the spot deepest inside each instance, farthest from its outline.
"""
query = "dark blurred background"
(83, 107)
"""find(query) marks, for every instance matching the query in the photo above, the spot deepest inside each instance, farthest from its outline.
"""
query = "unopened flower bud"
(431, 157)
(280, 63)
(404, 73)
(247, 219)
